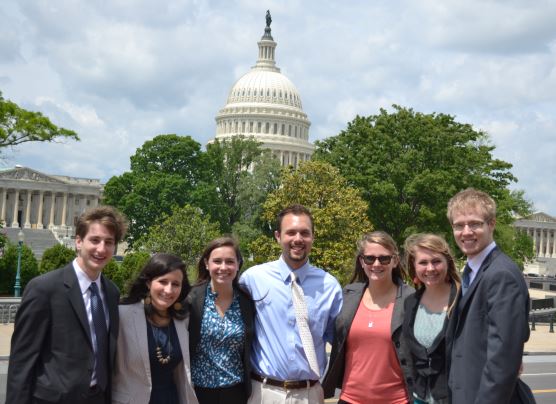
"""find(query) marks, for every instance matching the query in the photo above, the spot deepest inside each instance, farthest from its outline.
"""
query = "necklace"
(162, 339)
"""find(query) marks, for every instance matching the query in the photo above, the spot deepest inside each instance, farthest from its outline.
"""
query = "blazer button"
(397, 344)
(403, 362)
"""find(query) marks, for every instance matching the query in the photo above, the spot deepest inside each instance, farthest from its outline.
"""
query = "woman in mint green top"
(430, 263)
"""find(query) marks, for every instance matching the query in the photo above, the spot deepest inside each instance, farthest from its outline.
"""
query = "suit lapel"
(76, 300)
(142, 342)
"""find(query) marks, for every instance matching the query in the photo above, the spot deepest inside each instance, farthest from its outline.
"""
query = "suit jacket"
(352, 295)
(132, 372)
(52, 356)
(196, 301)
(487, 333)
(430, 363)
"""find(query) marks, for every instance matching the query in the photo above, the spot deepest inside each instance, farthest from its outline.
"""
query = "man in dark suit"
(64, 339)
(490, 325)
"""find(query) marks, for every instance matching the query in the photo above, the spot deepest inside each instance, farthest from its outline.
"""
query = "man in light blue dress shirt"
(281, 371)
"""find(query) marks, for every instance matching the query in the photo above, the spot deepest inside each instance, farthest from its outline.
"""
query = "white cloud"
(120, 72)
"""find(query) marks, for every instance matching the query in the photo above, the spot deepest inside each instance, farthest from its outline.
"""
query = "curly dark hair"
(159, 265)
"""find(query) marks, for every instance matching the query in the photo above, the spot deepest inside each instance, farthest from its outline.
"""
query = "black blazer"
(487, 334)
(196, 303)
(352, 295)
(430, 364)
(51, 354)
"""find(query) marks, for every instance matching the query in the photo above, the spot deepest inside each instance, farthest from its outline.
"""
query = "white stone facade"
(542, 228)
(34, 200)
(265, 104)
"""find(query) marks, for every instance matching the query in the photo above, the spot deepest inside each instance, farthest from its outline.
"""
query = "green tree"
(184, 233)
(131, 266)
(236, 167)
(113, 271)
(409, 164)
(164, 173)
(338, 210)
(8, 267)
(18, 125)
(56, 257)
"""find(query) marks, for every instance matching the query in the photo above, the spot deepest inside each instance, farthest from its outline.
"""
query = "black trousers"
(222, 395)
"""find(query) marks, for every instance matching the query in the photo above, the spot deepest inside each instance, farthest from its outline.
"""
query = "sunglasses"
(383, 259)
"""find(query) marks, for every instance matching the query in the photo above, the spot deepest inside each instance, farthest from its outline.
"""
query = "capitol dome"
(265, 104)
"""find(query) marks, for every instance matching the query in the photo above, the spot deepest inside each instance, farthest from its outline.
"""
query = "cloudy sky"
(119, 72)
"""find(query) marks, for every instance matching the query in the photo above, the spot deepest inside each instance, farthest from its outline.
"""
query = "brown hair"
(297, 210)
(107, 216)
(436, 244)
(474, 199)
(382, 238)
(203, 274)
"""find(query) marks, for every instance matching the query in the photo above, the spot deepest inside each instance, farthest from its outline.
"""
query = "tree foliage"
(409, 164)
(56, 257)
(164, 172)
(338, 210)
(239, 172)
(184, 233)
(8, 267)
(18, 125)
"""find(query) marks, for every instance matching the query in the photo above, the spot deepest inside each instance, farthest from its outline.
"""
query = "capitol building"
(266, 105)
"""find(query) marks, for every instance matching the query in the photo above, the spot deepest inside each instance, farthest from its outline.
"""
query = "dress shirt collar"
(285, 271)
(476, 262)
(83, 278)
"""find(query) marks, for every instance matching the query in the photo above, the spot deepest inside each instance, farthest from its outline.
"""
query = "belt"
(285, 384)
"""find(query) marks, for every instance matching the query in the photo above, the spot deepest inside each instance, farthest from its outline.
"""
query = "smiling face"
(222, 265)
(95, 250)
(165, 290)
(296, 239)
(472, 232)
(430, 267)
(377, 272)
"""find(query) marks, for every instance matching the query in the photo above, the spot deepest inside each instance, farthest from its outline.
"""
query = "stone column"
(82, 203)
(4, 203)
(64, 209)
(553, 243)
(52, 205)
(27, 224)
(15, 223)
(541, 244)
(39, 213)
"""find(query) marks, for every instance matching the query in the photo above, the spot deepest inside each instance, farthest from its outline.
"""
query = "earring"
(178, 306)
(147, 300)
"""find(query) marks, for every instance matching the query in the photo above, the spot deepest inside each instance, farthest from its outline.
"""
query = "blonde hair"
(433, 243)
(474, 199)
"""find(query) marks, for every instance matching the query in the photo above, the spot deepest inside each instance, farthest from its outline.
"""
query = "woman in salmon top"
(370, 360)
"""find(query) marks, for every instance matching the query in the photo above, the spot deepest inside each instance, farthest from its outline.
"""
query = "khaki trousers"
(267, 394)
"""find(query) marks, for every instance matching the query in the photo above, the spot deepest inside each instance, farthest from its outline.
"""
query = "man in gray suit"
(490, 325)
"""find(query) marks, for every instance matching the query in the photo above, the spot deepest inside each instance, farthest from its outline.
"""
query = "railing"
(8, 309)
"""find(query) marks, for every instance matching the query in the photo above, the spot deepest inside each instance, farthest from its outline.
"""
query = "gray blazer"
(132, 373)
(487, 333)
(352, 295)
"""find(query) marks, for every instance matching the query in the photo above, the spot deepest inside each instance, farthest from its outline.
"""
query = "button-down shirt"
(476, 262)
(277, 348)
(84, 284)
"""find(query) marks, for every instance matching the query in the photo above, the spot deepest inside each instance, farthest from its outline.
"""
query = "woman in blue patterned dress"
(220, 327)
(430, 264)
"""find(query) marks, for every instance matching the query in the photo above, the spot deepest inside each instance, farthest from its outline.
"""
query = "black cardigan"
(430, 364)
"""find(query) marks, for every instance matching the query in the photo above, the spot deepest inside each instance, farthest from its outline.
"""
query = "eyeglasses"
(473, 226)
(383, 259)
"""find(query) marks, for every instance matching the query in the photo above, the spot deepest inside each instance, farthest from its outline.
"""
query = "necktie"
(465, 279)
(101, 332)
(302, 318)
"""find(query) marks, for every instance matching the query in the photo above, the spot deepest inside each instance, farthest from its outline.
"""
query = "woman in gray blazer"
(370, 360)
(152, 358)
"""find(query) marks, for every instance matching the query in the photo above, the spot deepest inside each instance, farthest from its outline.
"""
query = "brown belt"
(285, 384)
